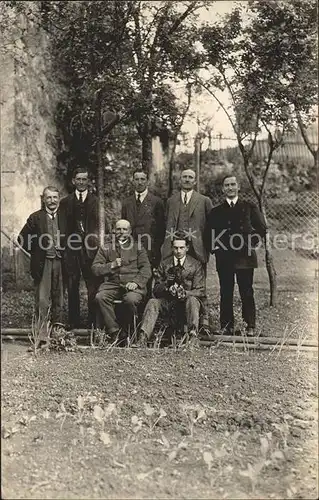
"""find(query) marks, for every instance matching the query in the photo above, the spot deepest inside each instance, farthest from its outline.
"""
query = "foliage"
(261, 64)
(62, 340)
(116, 60)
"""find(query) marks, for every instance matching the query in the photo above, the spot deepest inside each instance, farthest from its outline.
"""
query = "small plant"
(159, 337)
(194, 414)
(62, 340)
(150, 411)
(269, 455)
(40, 330)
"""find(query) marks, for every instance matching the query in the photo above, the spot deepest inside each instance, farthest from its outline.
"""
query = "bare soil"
(128, 423)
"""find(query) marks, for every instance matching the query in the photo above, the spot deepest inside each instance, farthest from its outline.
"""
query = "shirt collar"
(189, 195)
(181, 260)
(142, 195)
(124, 243)
(51, 213)
(233, 200)
(84, 194)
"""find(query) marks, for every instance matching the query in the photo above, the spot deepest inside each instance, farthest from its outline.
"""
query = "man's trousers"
(244, 278)
(108, 292)
(80, 264)
(156, 306)
(49, 292)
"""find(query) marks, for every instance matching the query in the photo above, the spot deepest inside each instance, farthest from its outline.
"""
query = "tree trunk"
(100, 174)
(270, 266)
(147, 156)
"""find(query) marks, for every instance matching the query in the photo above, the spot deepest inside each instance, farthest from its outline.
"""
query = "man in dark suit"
(180, 284)
(145, 212)
(233, 230)
(82, 215)
(125, 268)
(43, 236)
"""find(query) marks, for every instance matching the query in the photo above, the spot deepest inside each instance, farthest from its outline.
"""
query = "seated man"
(126, 271)
(180, 281)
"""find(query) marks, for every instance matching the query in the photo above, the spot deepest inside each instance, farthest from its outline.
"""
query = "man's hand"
(131, 286)
(116, 263)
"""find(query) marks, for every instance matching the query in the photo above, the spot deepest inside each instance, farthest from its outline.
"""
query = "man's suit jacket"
(192, 277)
(239, 225)
(199, 209)
(135, 265)
(149, 219)
(33, 238)
(67, 205)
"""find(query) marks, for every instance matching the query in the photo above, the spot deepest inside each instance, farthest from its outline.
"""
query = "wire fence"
(291, 207)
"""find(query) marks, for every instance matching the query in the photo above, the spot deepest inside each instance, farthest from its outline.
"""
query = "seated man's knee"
(99, 297)
(154, 303)
(132, 298)
(193, 301)
(102, 297)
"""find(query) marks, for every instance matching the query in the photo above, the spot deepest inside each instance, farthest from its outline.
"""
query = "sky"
(204, 108)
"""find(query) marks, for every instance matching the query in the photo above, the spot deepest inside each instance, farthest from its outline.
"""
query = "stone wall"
(28, 99)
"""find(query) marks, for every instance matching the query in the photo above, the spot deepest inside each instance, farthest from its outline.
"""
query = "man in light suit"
(125, 269)
(145, 212)
(187, 211)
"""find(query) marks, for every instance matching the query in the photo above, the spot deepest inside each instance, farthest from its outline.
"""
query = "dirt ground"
(128, 423)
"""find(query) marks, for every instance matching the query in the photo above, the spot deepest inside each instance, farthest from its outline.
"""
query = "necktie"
(52, 216)
(232, 204)
(80, 198)
(138, 200)
(185, 199)
(179, 263)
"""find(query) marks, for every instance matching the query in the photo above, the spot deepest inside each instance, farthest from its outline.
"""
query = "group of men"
(155, 259)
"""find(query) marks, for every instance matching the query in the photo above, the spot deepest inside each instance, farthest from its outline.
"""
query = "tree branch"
(305, 136)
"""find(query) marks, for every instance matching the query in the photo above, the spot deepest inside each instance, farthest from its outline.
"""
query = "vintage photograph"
(159, 249)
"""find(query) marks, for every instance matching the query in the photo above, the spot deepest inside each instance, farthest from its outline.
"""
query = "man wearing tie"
(81, 212)
(187, 210)
(145, 212)
(43, 236)
(179, 284)
(233, 230)
(125, 269)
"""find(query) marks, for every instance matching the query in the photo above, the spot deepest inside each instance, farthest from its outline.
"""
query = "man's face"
(140, 181)
(179, 248)
(51, 200)
(81, 181)
(122, 230)
(188, 180)
(230, 187)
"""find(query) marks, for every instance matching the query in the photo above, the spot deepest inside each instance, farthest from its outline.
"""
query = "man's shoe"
(250, 332)
(142, 339)
(193, 338)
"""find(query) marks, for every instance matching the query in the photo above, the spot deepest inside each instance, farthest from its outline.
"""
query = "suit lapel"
(132, 208)
(193, 202)
(43, 226)
(144, 206)
(187, 266)
(176, 203)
